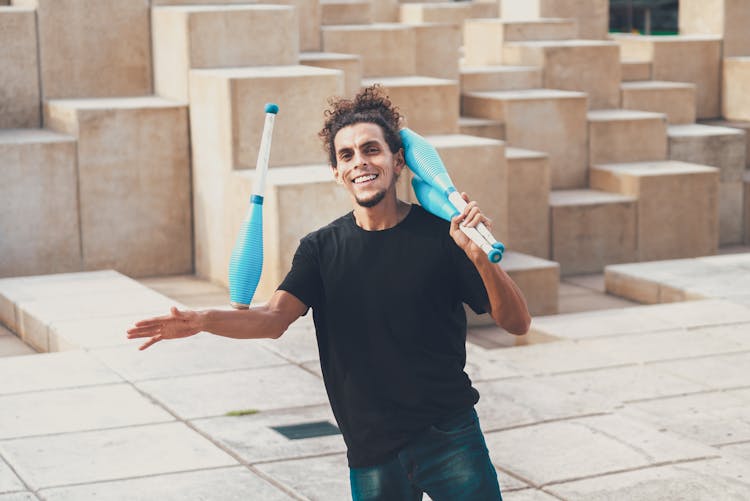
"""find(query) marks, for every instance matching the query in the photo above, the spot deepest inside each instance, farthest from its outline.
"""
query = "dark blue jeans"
(449, 462)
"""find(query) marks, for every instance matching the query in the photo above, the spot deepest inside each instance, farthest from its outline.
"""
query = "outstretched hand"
(178, 324)
(470, 217)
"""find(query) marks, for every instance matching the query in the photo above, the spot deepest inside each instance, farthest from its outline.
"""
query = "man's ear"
(399, 163)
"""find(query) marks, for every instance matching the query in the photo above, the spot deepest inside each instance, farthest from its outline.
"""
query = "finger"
(150, 342)
(175, 312)
(142, 332)
(153, 321)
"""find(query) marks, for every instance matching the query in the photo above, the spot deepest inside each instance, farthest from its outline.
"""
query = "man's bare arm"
(268, 320)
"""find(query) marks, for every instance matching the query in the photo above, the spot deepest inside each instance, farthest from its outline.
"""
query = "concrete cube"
(746, 204)
(592, 15)
(584, 65)
(432, 12)
(19, 79)
(721, 147)
(731, 213)
(93, 49)
(590, 229)
(430, 105)
(484, 38)
(674, 99)
(668, 56)
(745, 126)
(39, 230)
(134, 182)
(386, 49)
(726, 18)
(349, 64)
(626, 136)
(552, 121)
(528, 201)
(334, 12)
(537, 278)
(481, 127)
(678, 209)
(635, 71)
(220, 36)
(490, 78)
(735, 101)
(437, 50)
(308, 17)
(385, 11)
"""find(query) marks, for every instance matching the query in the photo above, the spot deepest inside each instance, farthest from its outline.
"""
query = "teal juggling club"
(438, 204)
(246, 262)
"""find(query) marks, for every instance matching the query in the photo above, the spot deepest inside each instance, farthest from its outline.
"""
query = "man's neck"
(387, 214)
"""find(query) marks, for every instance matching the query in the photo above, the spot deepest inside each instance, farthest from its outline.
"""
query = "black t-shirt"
(391, 327)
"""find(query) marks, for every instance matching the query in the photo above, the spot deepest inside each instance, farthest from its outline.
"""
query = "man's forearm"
(507, 304)
(254, 323)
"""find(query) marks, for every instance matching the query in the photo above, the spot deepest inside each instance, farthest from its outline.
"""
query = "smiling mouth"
(364, 179)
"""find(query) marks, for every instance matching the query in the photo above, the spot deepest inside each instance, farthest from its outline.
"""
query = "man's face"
(365, 164)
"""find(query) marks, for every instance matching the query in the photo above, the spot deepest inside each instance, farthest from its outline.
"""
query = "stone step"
(533, 120)
(668, 55)
(131, 153)
(720, 147)
(745, 126)
(482, 127)
(484, 39)
(223, 140)
(19, 79)
(746, 204)
(591, 66)
(528, 210)
(634, 71)
(437, 50)
(727, 18)
(678, 211)
(218, 36)
(77, 61)
(456, 13)
(735, 103)
(674, 99)
(429, 105)
(592, 16)
(39, 228)
(590, 229)
(626, 136)
(499, 77)
(350, 64)
(335, 12)
(375, 44)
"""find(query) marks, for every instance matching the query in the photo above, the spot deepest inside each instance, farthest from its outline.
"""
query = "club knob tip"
(272, 108)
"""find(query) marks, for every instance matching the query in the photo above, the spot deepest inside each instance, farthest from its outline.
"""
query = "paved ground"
(627, 402)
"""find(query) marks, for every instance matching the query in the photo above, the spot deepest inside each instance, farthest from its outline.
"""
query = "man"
(386, 283)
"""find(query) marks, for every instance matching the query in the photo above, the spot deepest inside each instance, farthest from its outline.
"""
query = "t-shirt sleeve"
(303, 279)
(468, 281)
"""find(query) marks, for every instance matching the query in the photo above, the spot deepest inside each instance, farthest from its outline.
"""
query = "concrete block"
(746, 204)
(481, 127)
(308, 16)
(437, 50)
(349, 64)
(678, 211)
(385, 11)
(131, 152)
(731, 209)
(592, 16)
(626, 136)
(537, 278)
(635, 71)
(19, 80)
(590, 229)
(674, 99)
(720, 147)
(429, 105)
(735, 103)
(484, 38)
(668, 55)
(385, 48)
(93, 49)
(726, 18)
(735, 125)
(435, 12)
(39, 230)
(528, 207)
(552, 121)
(490, 78)
(220, 36)
(583, 65)
(345, 12)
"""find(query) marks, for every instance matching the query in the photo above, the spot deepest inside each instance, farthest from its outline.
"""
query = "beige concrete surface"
(528, 207)
(349, 64)
(726, 18)
(674, 99)
(19, 80)
(499, 77)
(745, 126)
(345, 12)
(481, 127)
(437, 50)
(376, 44)
(635, 71)
(592, 16)
(735, 104)
(626, 136)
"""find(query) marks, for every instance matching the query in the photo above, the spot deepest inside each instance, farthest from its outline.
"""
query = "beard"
(372, 201)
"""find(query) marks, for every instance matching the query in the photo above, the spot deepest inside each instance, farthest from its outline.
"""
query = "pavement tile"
(212, 395)
(223, 484)
(736, 333)
(314, 368)
(515, 402)
(593, 281)
(78, 409)
(741, 450)
(252, 439)
(718, 372)
(319, 479)
(92, 456)
(528, 495)
(196, 355)
(52, 370)
(12, 346)
(482, 366)
(591, 301)
(711, 479)
(298, 344)
(710, 418)
(622, 384)
(698, 313)
(18, 496)
(90, 333)
(582, 447)
(600, 323)
(508, 482)
(9, 481)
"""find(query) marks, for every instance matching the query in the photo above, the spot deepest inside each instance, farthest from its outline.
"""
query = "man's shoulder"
(337, 225)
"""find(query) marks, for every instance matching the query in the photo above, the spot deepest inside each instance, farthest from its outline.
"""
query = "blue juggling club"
(246, 262)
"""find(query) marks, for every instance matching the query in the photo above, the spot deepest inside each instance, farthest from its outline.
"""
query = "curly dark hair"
(371, 105)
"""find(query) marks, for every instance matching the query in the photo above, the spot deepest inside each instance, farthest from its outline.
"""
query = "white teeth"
(362, 179)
